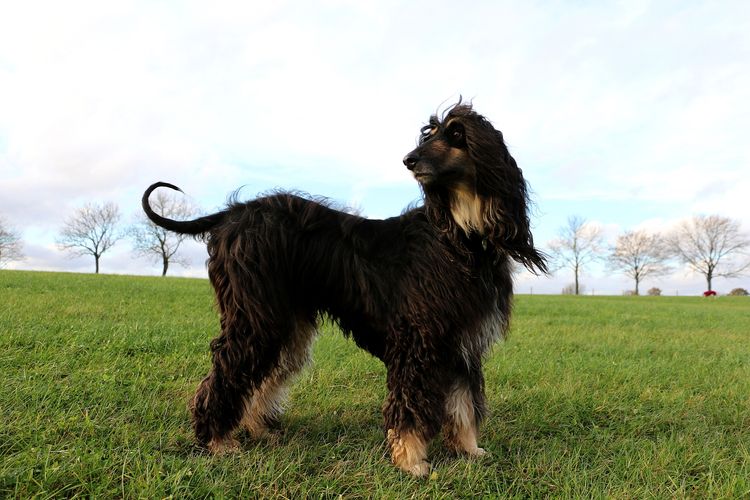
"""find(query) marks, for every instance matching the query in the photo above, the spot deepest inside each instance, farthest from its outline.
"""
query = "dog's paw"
(477, 453)
(420, 469)
(409, 452)
(271, 436)
(223, 446)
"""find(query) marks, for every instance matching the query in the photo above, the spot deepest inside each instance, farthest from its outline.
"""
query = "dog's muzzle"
(422, 170)
(411, 160)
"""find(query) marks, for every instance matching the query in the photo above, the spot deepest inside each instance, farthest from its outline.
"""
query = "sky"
(630, 114)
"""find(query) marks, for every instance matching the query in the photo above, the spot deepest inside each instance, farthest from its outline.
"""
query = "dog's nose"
(411, 160)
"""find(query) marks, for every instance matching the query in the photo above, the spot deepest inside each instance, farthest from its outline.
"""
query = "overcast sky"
(631, 114)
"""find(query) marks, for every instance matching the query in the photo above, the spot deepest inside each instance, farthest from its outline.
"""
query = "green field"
(626, 397)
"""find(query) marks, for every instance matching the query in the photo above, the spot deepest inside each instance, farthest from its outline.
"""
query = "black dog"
(427, 292)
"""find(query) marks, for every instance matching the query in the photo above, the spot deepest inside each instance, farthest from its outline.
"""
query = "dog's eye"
(456, 135)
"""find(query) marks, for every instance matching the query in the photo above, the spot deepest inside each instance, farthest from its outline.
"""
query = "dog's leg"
(413, 413)
(462, 417)
(264, 406)
(240, 363)
(213, 418)
(408, 451)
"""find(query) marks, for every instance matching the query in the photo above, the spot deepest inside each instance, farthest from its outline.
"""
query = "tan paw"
(409, 452)
(477, 452)
(257, 432)
(223, 446)
(419, 470)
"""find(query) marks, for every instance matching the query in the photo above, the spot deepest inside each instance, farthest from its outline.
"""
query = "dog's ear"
(500, 184)
(512, 233)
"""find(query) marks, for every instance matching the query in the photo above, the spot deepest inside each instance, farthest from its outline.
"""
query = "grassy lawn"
(627, 397)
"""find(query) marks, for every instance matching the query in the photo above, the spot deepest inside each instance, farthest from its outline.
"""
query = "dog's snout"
(411, 160)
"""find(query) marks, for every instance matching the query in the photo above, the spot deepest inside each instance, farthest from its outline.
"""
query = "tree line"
(711, 245)
(93, 229)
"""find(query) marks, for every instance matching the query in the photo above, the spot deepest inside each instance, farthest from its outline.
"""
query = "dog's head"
(465, 170)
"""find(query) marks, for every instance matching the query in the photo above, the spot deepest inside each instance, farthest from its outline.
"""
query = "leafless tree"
(712, 245)
(10, 243)
(156, 242)
(571, 289)
(639, 255)
(578, 244)
(92, 230)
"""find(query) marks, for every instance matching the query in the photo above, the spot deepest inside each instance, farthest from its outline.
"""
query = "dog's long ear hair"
(501, 186)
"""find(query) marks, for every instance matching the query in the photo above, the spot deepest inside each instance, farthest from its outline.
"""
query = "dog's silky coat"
(427, 292)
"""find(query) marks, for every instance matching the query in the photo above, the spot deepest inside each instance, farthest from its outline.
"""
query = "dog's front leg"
(462, 417)
(413, 413)
(408, 451)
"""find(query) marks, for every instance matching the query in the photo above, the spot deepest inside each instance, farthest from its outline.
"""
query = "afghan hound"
(427, 292)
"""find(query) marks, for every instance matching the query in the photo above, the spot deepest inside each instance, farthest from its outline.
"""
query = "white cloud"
(640, 101)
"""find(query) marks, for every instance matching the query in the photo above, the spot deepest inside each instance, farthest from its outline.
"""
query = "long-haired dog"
(427, 292)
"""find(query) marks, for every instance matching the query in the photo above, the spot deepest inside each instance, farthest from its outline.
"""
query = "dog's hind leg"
(264, 405)
(241, 361)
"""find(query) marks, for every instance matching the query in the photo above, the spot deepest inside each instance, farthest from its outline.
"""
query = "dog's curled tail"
(196, 226)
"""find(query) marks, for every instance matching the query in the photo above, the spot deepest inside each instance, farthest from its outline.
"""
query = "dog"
(427, 292)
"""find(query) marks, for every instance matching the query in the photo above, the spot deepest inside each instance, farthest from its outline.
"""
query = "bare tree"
(712, 245)
(10, 243)
(92, 230)
(639, 255)
(578, 244)
(156, 242)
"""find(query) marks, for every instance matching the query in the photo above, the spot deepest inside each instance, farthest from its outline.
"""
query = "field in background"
(591, 396)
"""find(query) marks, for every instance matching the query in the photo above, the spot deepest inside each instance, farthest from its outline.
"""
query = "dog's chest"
(477, 340)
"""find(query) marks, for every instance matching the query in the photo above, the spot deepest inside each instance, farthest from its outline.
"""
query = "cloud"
(639, 104)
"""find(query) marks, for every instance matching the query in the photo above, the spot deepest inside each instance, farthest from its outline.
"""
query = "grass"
(626, 397)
